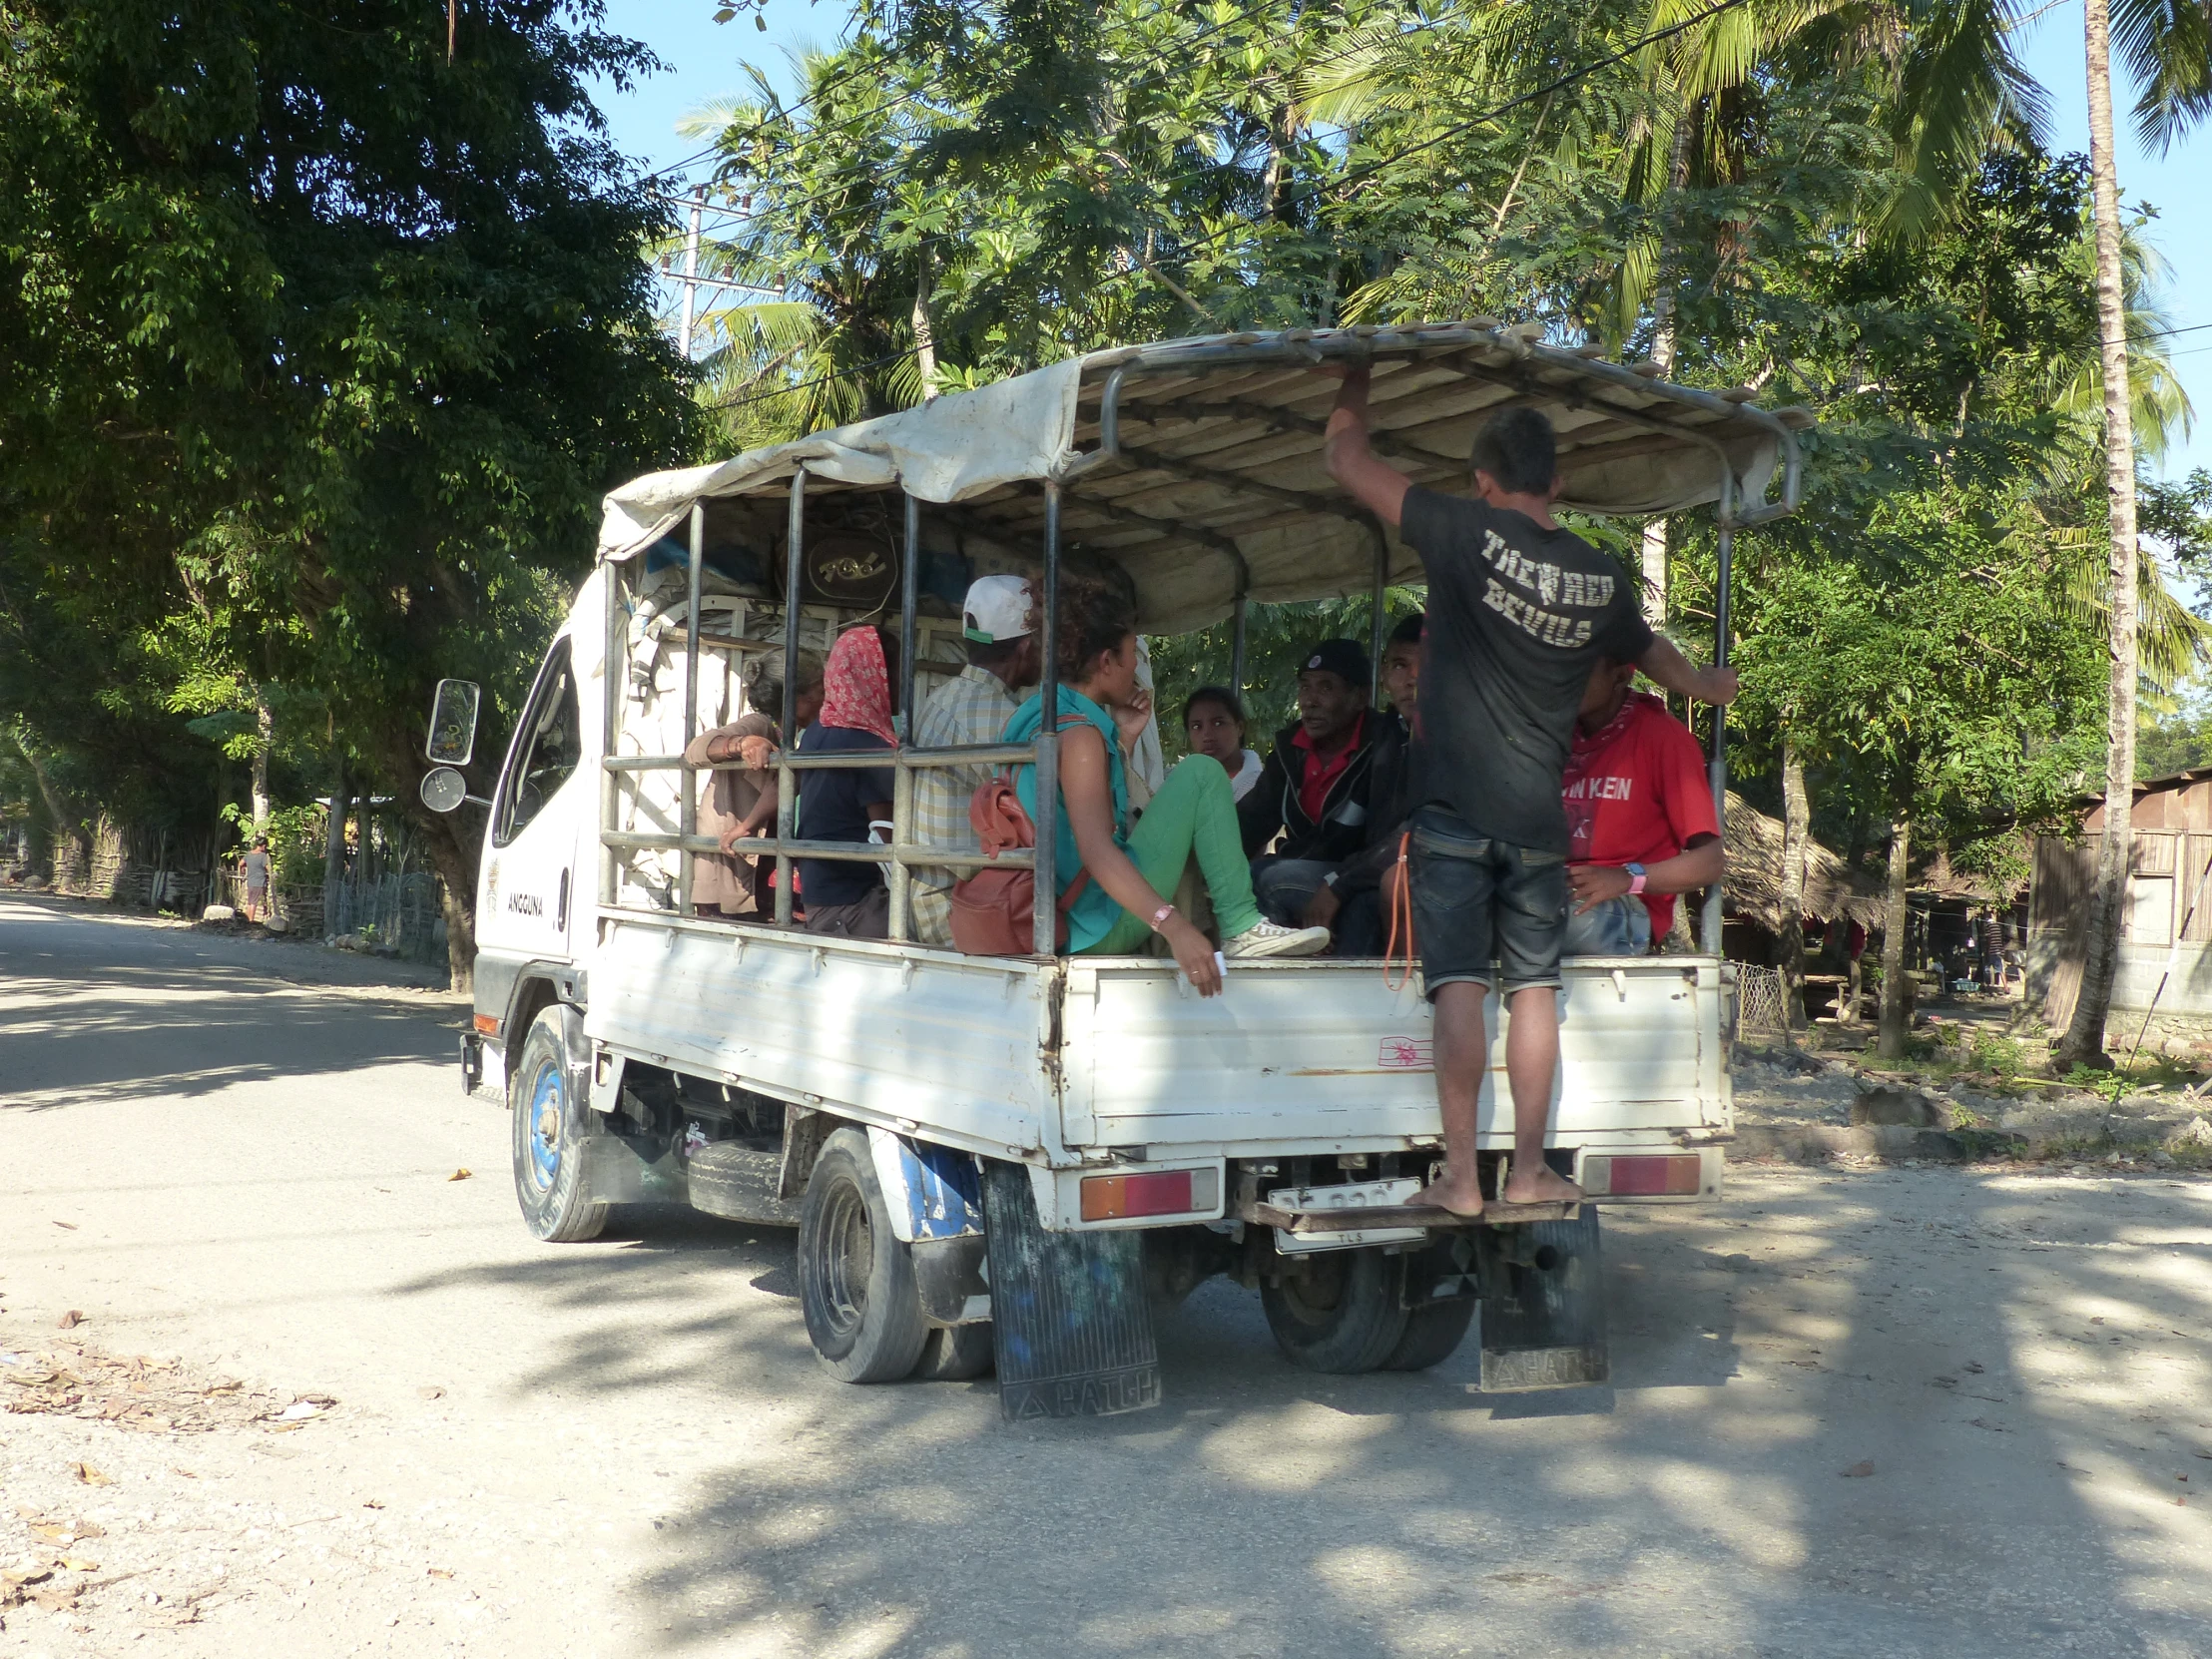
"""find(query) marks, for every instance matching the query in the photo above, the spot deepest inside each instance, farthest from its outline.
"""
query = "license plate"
(1362, 1194)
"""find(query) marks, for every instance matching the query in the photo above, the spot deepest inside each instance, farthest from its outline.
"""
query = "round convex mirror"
(443, 788)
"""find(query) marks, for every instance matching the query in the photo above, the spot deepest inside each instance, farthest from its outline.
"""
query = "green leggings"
(1194, 811)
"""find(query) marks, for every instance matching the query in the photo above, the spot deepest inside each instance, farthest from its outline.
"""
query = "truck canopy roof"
(1193, 466)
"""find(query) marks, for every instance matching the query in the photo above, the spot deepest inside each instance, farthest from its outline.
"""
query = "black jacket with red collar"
(1273, 803)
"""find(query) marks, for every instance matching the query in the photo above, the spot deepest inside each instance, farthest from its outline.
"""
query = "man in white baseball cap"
(999, 609)
(999, 622)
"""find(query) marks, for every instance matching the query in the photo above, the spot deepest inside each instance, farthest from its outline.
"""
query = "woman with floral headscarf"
(845, 897)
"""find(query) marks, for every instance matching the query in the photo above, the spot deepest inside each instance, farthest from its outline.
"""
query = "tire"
(956, 1353)
(1433, 1333)
(1344, 1314)
(552, 1118)
(855, 1279)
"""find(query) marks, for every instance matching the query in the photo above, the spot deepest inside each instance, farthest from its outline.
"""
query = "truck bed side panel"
(902, 1038)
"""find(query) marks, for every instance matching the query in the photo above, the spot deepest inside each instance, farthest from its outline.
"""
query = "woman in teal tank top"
(1131, 867)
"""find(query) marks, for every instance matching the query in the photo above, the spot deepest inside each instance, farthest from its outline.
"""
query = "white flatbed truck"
(1008, 1161)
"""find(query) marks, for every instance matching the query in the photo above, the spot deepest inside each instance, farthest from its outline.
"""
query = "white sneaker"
(1267, 938)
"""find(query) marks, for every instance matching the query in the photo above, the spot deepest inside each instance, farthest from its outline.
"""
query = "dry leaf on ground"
(1859, 1469)
(70, 1321)
(89, 1475)
(459, 1175)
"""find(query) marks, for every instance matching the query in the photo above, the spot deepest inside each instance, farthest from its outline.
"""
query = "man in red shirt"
(1314, 790)
(1640, 822)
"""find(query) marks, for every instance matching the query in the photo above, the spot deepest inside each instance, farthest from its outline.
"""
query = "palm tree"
(2170, 50)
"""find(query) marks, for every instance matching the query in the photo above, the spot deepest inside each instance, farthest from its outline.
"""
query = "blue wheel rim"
(546, 1111)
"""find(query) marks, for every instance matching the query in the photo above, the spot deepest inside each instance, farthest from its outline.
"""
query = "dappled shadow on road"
(2017, 1466)
(135, 1013)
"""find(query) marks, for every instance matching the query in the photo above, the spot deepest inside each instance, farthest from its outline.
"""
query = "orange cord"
(1401, 910)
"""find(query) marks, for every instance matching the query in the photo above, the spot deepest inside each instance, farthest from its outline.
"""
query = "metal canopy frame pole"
(1236, 649)
(1716, 763)
(786, 781)
(614, 681)
(902, 781)
(1045, 909)
(686, 815)
(1381, 615)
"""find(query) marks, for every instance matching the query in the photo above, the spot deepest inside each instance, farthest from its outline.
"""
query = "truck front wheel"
(1343, 1312)
(551, 1120)
(855, 1279)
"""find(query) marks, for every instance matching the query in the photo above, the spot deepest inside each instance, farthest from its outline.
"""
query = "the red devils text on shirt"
(1635, 793)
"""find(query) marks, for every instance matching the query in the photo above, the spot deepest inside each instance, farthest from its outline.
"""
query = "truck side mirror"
(443, 788)
(452, 725)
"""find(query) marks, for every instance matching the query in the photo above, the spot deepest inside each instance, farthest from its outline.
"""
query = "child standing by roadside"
(254, 867)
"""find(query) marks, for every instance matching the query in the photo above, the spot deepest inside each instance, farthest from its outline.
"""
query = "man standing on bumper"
(1519, 611)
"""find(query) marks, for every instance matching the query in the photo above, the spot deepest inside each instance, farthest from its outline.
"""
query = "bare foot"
(1448, 1192)
(1540, 1185)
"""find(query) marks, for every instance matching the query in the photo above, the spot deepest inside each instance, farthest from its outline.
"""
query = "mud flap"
(633, 1169)
(1543, 1305)
(1070, 1320)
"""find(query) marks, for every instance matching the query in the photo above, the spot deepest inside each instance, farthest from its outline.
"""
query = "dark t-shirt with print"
(1518, 618)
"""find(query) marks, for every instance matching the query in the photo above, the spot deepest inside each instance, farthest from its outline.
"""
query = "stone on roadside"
(2196, 1132)
(1909, 1108)
(220, 913)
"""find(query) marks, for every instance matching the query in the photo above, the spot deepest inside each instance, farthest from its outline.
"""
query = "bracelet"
(1161, 915)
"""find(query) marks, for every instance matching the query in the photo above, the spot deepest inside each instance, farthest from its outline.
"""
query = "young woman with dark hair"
(1120, 906)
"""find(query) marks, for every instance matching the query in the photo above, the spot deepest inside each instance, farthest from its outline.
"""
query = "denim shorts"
(1477, 901)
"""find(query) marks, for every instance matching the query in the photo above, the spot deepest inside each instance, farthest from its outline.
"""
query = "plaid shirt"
(972, 708)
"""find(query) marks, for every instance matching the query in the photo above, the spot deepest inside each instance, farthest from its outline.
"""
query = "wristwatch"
(1635, 878)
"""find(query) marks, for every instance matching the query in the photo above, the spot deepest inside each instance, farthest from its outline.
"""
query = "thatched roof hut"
(1752, 884)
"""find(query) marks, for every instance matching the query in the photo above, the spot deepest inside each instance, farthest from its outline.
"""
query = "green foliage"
(2000, 1056)
(321, 349)
(2111, 1084)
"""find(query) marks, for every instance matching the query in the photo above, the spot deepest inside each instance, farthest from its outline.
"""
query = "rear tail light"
(1657, 1175)
(1165, 1192)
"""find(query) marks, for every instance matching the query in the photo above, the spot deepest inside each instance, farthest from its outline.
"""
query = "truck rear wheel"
(1345, 1313)
(956, 1353)
(1433, 1333)
(551, 1122)
(855, 1279)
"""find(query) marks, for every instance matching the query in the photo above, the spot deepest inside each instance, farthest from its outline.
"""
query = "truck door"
(530, 880)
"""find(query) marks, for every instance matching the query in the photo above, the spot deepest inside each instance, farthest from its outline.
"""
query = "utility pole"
(691, 267)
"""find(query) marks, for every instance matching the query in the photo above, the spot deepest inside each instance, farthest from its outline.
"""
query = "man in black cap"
(1314, 789)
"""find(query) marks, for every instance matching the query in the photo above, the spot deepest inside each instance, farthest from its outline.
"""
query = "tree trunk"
(2084, 1040)
(59, 820)
(925, 333)
(333, 844)
(1663, 353)
(265, 720)
(456, 869)
(1895, 1010)
(454, 841)
(1797, 828)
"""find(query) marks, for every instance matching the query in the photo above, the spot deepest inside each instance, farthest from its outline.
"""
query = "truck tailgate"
(1319, 1056)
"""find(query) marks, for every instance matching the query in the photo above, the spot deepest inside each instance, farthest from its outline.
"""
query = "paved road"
(625, 1448)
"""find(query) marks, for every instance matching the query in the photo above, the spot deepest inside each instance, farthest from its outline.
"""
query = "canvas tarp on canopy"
(1195, 465)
